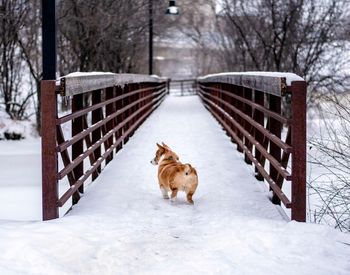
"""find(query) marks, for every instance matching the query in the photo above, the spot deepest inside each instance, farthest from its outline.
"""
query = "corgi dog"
(173, 176)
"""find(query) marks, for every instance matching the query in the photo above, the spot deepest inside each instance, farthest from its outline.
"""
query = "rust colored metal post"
(78, 147)
(275, 151)
(230, 100)
(134, 98)
(233, 114)
(143, 103)
(247, 93)
(224, 97)
(239, 105)
(110, 124)
(126, 114)
(96, 117)
(220, 96)
(48, 148)
(299, 151)
(259, 118)
(118, 119)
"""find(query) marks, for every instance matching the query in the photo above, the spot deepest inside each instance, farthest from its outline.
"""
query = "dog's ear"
(159, 146)
(166, 146)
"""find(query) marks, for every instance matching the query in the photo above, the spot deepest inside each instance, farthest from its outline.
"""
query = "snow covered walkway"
(123, 226)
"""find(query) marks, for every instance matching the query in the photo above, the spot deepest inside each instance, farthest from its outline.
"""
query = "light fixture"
(172, 9)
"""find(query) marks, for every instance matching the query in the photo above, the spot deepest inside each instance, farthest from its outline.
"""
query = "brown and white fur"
(173, 176)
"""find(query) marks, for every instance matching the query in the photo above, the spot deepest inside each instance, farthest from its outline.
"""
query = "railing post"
(247, 94)
(299, 151)
(275, 128)
(77, 147)
(126, 113)
(233, 103)
(119, 119)
(259, 118)
(96, 117)
(48, 147)
(110, 93)
(239, 106)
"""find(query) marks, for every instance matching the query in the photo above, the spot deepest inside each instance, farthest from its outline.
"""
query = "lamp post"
(150, 40)
(172, 10)
(49, 39)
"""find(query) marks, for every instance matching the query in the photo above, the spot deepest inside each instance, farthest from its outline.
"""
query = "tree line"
(92, 35)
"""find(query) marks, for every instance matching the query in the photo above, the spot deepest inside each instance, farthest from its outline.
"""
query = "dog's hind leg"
(189, 197)
(173, 194)
(164, 193)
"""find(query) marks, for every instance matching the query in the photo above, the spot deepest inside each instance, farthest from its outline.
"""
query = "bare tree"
(274, 35)
(107, 35)
(29, 44)
(13, 97)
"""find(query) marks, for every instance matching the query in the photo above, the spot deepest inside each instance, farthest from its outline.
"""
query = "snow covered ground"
(20, 180)
(123, 226)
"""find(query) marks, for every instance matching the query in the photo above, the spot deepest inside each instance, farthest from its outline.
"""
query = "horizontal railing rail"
(249, 107)
(106, 109)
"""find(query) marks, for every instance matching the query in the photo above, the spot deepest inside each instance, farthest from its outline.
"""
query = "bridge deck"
(227, 186)
(123, 226)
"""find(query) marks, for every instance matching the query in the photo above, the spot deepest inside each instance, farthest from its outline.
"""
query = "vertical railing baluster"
(119, 118)
(110, 124)
(233, 103)
(247, 94)
(96, 134)
(299, 151)
(259, 137)
(275, 128)
(48, 150)
(239, 105)
(126, 101)
(78, 147)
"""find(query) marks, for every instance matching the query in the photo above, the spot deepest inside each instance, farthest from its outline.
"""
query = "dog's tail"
(189, 170)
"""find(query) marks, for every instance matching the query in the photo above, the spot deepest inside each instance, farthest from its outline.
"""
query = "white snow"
(20, 180)
(290, 77)
(122, 225)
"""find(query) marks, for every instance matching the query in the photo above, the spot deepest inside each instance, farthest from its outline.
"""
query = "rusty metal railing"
(183, 87)
(248, 106)
(106, 109)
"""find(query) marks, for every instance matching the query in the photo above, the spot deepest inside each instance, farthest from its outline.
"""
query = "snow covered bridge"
(122, 225)
(108, 108)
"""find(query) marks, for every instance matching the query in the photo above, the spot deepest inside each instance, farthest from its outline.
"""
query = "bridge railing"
(183, 87)
(106, 109)
(249, 107)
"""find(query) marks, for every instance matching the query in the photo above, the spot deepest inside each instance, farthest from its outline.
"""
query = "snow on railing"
(81, 82)
(270, 82)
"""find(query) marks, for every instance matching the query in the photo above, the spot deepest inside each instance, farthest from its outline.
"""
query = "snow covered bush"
(14, 129)
(329, 160)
